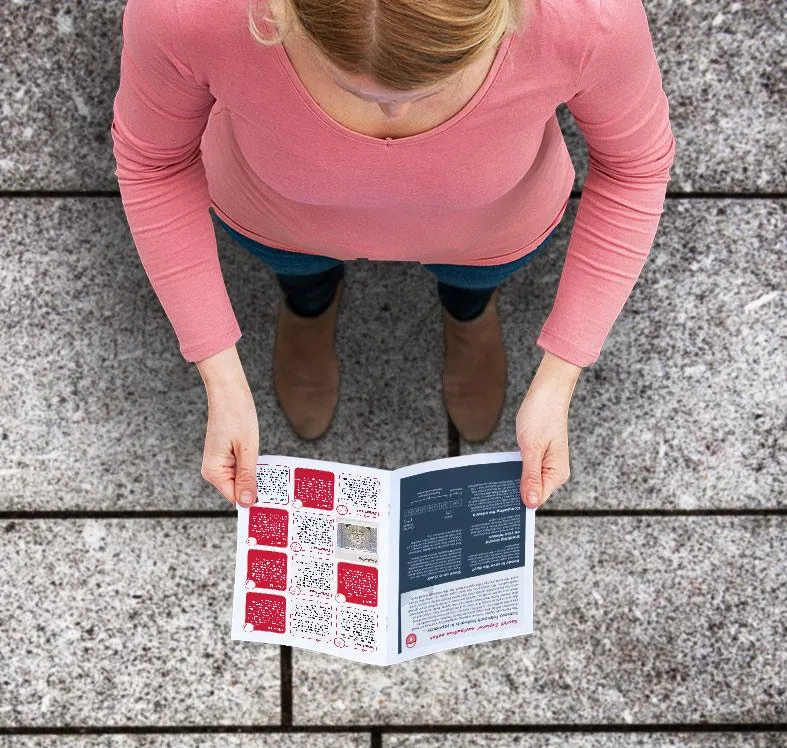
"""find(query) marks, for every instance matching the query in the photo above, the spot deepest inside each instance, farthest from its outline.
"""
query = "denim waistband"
(284, 262)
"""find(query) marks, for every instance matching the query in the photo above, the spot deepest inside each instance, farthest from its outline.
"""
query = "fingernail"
(532, 497)
(245, 497)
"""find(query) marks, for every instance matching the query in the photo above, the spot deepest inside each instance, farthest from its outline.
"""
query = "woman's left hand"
(542, 430)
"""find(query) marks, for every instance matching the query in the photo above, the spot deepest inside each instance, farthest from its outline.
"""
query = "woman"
(422, 130)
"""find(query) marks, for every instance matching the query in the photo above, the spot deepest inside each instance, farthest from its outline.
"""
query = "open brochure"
(382, 566)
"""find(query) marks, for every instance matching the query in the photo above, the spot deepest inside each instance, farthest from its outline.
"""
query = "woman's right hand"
(232, 438)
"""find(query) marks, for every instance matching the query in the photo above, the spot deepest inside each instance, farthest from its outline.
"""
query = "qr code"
(313, 574)
(359, 626)
(265, 612)
(357, 583)
(267, 569)
(268, 526)
(360, 493)
(311, 620)
(273, 484)
(313, 532)
(314, 488)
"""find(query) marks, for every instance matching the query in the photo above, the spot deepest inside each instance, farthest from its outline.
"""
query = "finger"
(552, 483)
(531, 486)
(554, 479)
(550, 487)
(224, 485)
(245, 489)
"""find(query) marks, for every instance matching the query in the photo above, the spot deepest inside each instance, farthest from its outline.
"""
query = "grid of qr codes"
(295, 582)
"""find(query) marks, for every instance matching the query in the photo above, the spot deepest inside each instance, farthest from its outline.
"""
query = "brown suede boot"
(474, 377)
(306, 369)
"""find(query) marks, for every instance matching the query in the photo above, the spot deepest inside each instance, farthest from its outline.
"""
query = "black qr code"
(314, 574)
(273, 484)
(313, 531)
(359, 626)
(311, 619)
(359, 492)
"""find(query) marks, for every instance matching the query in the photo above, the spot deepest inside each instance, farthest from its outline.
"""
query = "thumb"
(245, 474)
(531, 487)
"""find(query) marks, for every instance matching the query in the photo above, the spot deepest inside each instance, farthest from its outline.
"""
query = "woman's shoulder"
(211, 16)
(553, 34)
(566, 30)
(211, 31)
(586, 17)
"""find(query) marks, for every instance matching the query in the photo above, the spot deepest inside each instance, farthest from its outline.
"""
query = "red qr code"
(357, 583)
(266, 612)
(314, 488)
(267, 569)
(268, 526)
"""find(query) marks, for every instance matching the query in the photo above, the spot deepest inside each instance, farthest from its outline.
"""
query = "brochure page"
(311, 566)
(462, 546)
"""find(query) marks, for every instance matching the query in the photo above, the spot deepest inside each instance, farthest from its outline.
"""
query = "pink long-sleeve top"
(206, 117)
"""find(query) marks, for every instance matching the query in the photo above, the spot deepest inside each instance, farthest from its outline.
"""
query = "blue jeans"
(309, 281)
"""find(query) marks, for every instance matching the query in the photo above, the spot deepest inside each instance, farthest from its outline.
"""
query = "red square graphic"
(268, 526)
(314, 488)
(266, 612)
(267, 569)
(357, 583)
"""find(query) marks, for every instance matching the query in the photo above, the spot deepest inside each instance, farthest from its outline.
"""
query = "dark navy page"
(460, 529)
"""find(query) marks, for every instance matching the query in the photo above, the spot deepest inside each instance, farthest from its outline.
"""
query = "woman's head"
(402, 44)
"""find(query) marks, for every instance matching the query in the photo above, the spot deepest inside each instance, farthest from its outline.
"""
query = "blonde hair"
(403, 44)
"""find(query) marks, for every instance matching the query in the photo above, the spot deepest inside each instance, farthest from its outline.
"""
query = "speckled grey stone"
(112, 622)
(181, 740)
(600, 740)
(637, 620)
(723, 71)
(61, 66)
(720, 65)
(685, 406)
(98, 409)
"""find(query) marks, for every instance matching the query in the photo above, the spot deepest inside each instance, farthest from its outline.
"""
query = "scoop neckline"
(311, 103)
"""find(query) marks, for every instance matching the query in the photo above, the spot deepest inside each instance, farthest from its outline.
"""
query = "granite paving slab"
(126, 622)
(685, 406)
(601, 740)
(185, 740)
(723, 71)
(61, 67)
(720, 66)
(96, 398)
(637, 620)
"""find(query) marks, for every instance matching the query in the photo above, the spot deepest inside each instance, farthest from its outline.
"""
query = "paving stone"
(720, 66)
(185, 740)
(600, 740)
(685, 406)
(96, 399)
(637, 620)
(112, 622)
(61, 67)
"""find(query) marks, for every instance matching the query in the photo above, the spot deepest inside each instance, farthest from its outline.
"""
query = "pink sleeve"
(624, 116)
(160, 112)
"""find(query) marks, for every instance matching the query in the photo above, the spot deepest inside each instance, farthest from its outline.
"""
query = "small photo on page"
(356, 539)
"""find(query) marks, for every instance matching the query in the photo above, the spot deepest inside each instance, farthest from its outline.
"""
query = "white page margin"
(392, 601)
